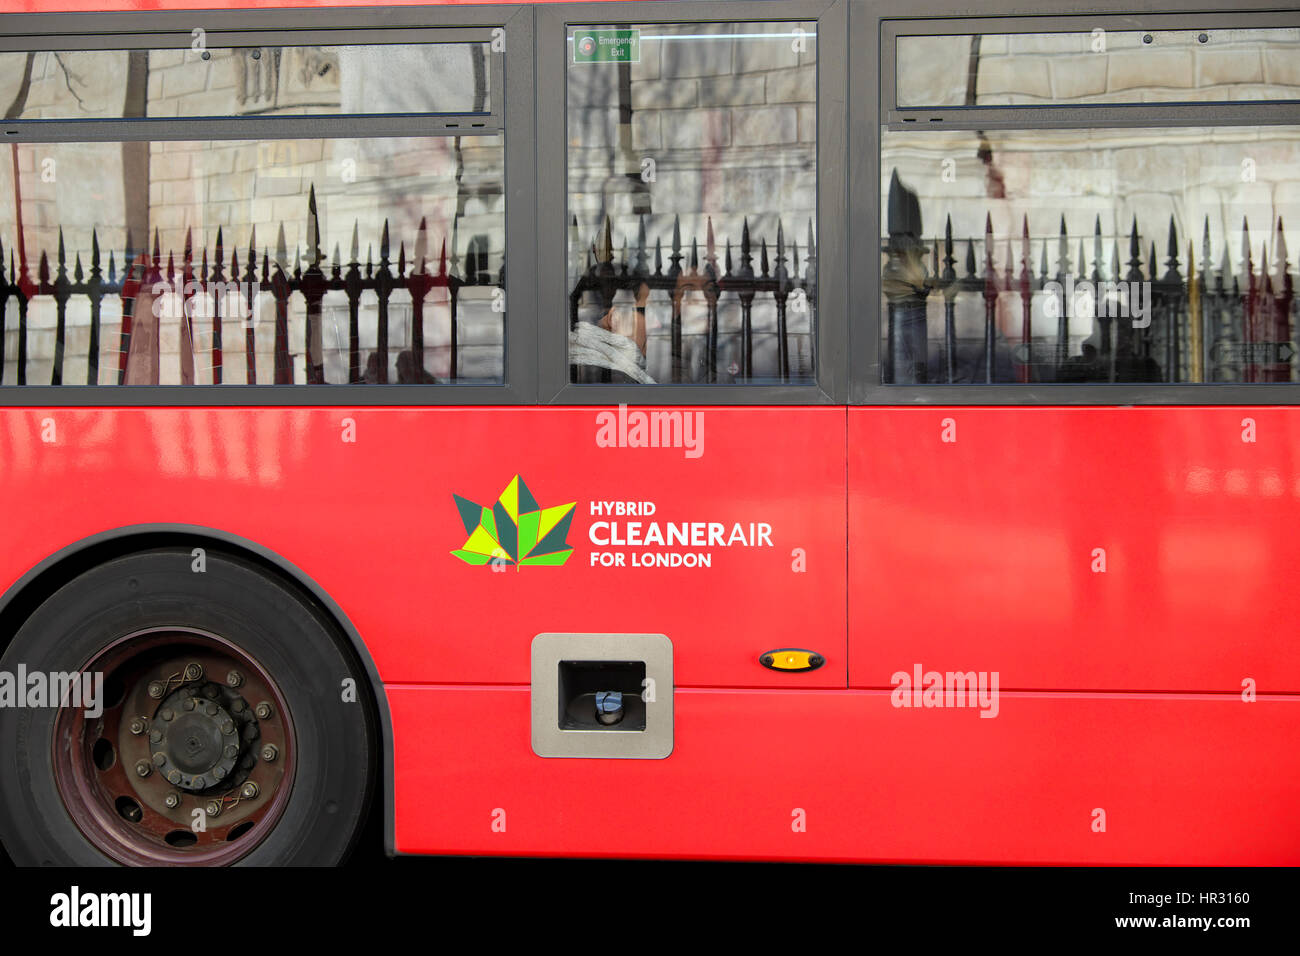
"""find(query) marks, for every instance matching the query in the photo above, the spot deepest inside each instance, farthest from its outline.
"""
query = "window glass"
(1101, 66)
(1097, 255)
(252, 81)
(319, 261)
(692, 194)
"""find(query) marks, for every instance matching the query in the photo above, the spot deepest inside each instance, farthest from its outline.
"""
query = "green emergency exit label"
(607, 46)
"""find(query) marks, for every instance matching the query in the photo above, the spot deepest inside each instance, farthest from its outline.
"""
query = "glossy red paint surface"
(973, 555)
(1181, 780)
(373, 522)
(978, 554)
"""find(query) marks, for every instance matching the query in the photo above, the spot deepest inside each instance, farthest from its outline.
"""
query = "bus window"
(692, 189)
(1137, 247)
(251, 81)
(258, 254)
(1098, 66)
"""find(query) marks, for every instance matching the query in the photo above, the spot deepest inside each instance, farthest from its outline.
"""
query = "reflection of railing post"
(250, 320)
(95, 292)
(782, 295)
(1249, 311)
(904, 282)
(1063, 281)
(1026, 301)
(990, 295)
(313, 286)
(745, 278)
(218, 281)
(352, 289)
(1171, 299)
(1280, 307)
(187, 297)
(280, 291)
(4, 301)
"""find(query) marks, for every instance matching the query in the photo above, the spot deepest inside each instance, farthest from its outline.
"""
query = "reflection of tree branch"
(20, 98)
(68, 77)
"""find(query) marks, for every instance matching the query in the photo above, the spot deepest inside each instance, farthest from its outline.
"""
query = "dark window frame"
(875, 25)
(830, 385)
(512, 113)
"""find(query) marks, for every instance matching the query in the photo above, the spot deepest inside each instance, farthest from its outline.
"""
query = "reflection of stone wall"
(1023, 69)
(730, 125)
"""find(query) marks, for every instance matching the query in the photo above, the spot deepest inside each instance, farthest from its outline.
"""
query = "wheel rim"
(190, 722)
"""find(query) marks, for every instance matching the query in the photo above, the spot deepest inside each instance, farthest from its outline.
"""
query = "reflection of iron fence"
(1210, 326)
(606, 278)
(145, 273)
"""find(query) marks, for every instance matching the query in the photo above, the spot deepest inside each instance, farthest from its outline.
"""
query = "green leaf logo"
(515, 530)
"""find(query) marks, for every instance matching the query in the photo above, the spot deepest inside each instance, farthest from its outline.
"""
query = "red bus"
(843, 430)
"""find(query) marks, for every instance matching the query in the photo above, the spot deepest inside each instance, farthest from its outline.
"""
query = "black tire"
(294, 643)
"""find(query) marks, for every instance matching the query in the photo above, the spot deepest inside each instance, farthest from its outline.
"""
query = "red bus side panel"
(362, 500)
(1076, 549)
(1179, 780)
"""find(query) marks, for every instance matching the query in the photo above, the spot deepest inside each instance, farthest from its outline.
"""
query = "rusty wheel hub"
(191, 761)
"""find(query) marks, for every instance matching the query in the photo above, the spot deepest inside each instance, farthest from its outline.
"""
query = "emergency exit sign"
(607, 46)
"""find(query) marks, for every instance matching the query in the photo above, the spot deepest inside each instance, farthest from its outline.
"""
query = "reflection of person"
(616, 342)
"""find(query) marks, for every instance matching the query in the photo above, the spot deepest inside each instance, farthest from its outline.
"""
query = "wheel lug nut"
(213, 808)
(270, 752)
(160, 758)
(249, 791)
(193, 671)
(234, 679)
(138, 725)
(143, 769)
(189, 704)
(210, 709)
(173, 800)
(173, 776)
(200, 783)
(167, 713)
(156, 689)
(219, 772)
(263, 711)
(238, 705)
(228, 728)
(232, 751)
(155, 735)
(211, 692)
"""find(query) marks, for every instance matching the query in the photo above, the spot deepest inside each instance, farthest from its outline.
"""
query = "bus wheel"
(180, 708)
